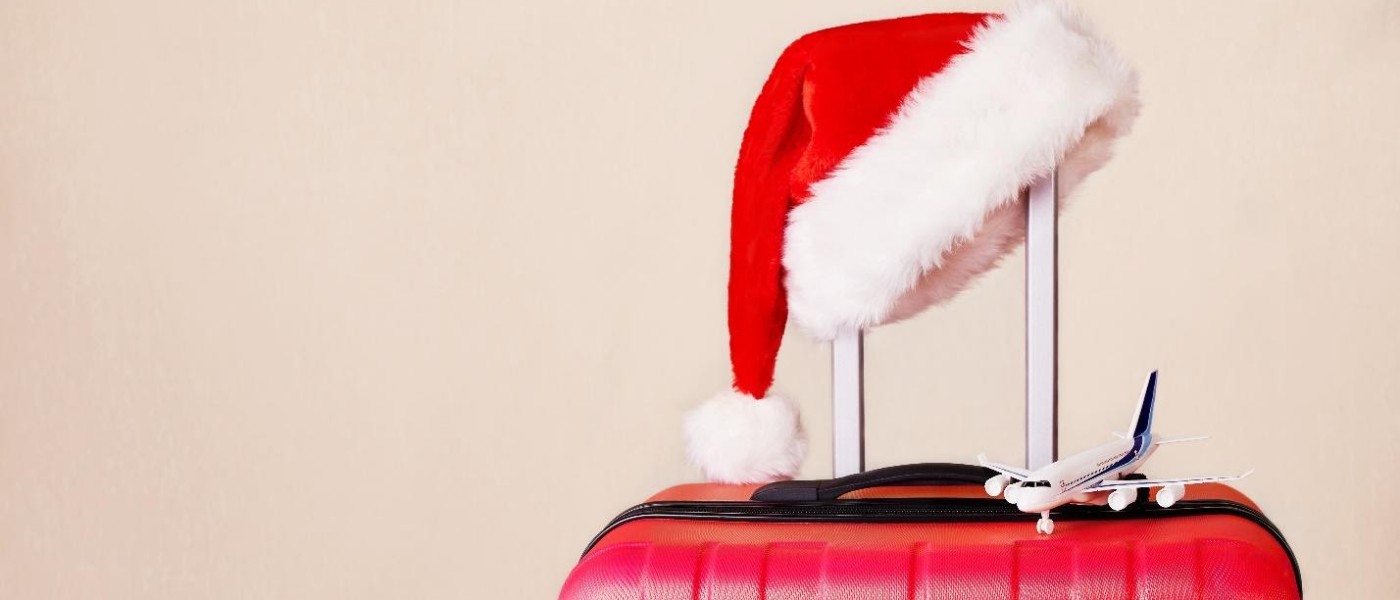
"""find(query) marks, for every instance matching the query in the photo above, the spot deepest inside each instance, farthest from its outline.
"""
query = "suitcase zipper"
(929, 510)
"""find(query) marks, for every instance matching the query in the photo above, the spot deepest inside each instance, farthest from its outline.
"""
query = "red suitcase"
(950, 541)
(930, 531)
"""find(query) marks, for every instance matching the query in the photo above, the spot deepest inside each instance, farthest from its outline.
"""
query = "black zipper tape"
(931, 510)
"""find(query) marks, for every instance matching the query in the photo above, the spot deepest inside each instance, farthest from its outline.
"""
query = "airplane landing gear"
(1045, 526)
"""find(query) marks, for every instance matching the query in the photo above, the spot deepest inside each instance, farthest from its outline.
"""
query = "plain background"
(320, 299)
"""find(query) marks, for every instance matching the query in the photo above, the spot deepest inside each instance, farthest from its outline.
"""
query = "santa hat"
(881, 173)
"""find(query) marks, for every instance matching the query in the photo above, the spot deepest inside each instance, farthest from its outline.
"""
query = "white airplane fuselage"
(1064, 481)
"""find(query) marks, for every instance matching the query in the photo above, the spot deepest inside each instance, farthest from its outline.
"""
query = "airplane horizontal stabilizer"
(1179, 440)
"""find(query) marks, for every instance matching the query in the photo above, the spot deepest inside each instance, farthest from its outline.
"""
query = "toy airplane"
(1095, 476)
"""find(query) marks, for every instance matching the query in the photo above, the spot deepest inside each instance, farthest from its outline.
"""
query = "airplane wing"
(1006, 470)
(1105, 486)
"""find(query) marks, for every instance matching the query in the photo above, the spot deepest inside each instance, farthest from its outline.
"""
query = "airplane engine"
(1121, 498)
(1011, 492)
(995, 485)
(1168, 495)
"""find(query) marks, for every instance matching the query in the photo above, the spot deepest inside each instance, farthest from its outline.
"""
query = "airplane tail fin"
(1142, 419)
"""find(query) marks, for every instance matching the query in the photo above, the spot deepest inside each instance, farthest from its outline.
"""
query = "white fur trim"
(1036, 88)
(734, 438)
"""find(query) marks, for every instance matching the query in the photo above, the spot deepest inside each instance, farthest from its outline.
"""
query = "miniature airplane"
(1095, 476)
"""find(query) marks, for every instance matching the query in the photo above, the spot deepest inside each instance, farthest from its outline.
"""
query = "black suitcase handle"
(822, 490)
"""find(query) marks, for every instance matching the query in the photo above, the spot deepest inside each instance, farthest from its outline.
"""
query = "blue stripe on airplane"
(1139, 444)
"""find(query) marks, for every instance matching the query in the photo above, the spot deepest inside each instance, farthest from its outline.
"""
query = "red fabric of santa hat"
(881, 173)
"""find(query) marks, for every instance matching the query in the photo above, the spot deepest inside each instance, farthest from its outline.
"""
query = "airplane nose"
(1031, 501)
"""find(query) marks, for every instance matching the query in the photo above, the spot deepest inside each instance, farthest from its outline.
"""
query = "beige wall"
(404, 300)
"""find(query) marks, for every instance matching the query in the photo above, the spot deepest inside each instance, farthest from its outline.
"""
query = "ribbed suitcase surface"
(708, 542)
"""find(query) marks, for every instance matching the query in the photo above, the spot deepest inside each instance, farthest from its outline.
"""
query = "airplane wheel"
(1045, 526)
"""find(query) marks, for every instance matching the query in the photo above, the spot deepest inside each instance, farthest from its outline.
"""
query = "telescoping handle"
(1042, 346)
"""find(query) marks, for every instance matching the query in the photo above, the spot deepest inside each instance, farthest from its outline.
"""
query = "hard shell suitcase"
(944, 541)
(930, 531)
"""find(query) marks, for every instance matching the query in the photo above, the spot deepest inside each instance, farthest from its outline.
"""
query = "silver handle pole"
(847, 405)
(1042, 428)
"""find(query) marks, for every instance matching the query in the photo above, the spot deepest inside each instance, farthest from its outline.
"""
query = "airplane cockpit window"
(1032, 484)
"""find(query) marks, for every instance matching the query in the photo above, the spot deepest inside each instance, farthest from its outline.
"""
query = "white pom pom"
(734, 438)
